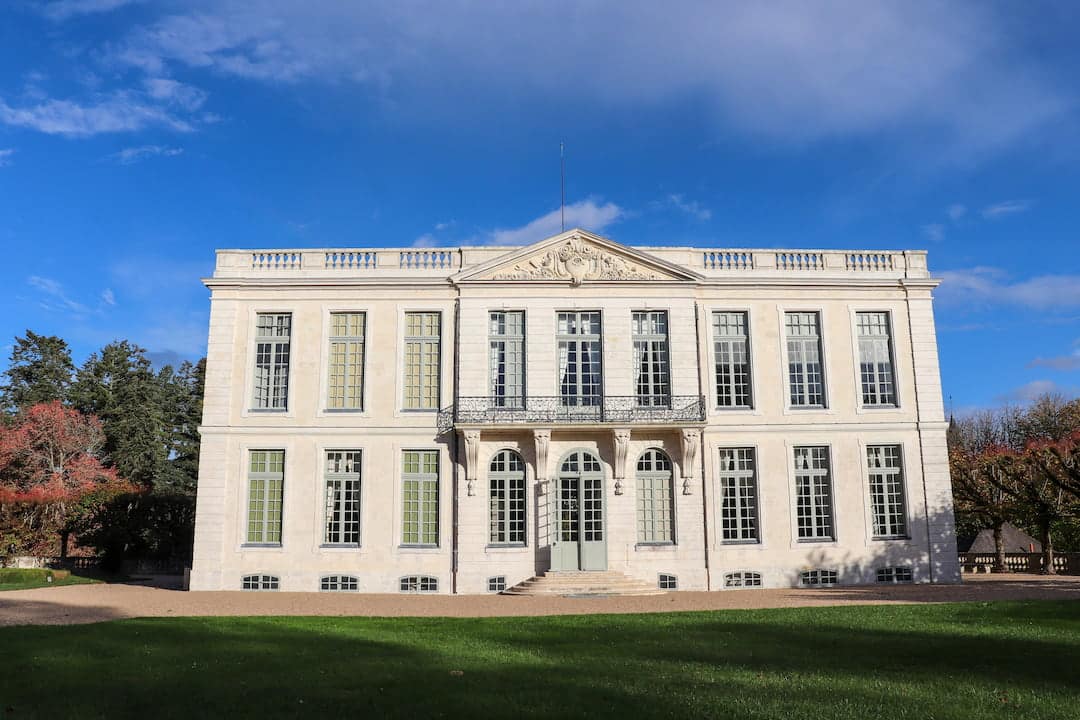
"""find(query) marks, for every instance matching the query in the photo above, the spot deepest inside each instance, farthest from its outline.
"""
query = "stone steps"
(583, 583)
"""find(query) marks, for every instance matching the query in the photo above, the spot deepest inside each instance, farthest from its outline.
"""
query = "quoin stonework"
(461, 420)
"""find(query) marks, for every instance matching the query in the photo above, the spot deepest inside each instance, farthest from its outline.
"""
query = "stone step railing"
(1064, 563)
(444, 262)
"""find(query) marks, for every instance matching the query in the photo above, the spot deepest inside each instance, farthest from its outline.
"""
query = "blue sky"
(137, 137)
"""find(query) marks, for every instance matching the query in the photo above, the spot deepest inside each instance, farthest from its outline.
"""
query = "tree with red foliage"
(49, 468)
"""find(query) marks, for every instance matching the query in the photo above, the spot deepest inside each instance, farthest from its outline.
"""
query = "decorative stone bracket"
(622, 446)
(472, 459)
(541, 440)
(691, 442)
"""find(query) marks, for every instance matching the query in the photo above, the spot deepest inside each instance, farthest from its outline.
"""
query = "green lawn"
(28, 579)
(1000, 660)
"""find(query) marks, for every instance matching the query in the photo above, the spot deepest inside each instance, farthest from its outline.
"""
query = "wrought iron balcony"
(557, 410)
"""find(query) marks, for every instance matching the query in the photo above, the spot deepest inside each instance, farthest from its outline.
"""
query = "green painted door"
(579, 542)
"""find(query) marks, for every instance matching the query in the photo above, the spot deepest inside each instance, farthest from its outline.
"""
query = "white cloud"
(1033, 390)
(108, 297)
(175, 93)
(691, 208)
(5, 156)
(791, 70)
(54, 296)
(957, 211)
(1060, 362)
(1009, 207)
(991, 286)
(131, 155)
(426, 240)
(934, 231)
(60, 10)
(119, 112)
(586, 214)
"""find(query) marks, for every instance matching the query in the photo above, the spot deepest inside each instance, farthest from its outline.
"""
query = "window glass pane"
(731, 355)
(806, 379)
(875, 359)
(346, 361)
(342, 511)
(271, 374)
(265, 488)
(655, 512)
(420, 497)
(651, 358)
(813, 490)
(887, 503)
(422, 350)
(579, 348)
(738, 495)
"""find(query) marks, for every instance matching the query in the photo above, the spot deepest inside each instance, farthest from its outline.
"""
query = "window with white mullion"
(731, 356)
(813, 494)
(806, 377)
(738, 495)
(579, 345)
(345, 386)
(507, 358)
(342, 479)
(266, 478)
(271, 377)
(506, 477)
(422, 350)
(655, 505)
(887, 505)
(875, 359)
(650, 335)
(420, 498)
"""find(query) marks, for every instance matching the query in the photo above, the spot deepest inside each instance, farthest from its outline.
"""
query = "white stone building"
(460, 420)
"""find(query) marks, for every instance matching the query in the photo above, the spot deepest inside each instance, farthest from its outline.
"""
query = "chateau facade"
(461, 420)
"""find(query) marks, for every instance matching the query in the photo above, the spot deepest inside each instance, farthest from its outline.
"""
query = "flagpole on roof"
(562, 186)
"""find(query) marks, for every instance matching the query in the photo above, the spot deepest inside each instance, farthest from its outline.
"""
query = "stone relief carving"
(577, 261)
(691, 441)
(472, 459)
(541, 440)
(622, 445)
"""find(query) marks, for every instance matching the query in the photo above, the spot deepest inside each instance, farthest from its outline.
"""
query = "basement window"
(667, 581)
(419, 584)
(894, 575)
(496, 584)
(818, 578)
(260, 582)
(339, 583)
(742, 579)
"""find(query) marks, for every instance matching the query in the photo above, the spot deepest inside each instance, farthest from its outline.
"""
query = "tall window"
(887, 491)
(813, 493)
(579, 358)
(266, 478)
(651, 358)
(875, 359)
(420, 497)
(422, 339)
(654, 498)
(272, 332)
(342, 497)
(738, 495)
(507, 351)
(345, 390)
(507, 481)
(806, 381)
(731, 353)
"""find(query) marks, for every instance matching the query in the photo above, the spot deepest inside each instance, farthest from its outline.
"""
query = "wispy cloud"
(121, 111)
(957, 211)
(690, 207)
(61, 10)
(1060, 362)
(991, 286)
(5, 156)
(131, 155)
(934, 232)
(1009, 207)
(54, 296)
(587, 214)
(427, 240)
(789, 70)
(108, 297)
(1034, 390)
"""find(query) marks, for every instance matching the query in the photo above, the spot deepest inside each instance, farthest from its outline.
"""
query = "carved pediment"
(577, 257)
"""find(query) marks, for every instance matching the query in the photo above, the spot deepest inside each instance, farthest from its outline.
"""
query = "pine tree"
(40, 371)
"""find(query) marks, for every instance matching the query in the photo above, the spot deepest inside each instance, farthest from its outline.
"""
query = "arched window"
(654, 498)
(506, 478)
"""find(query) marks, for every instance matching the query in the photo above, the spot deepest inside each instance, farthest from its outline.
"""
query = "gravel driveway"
(97, 603)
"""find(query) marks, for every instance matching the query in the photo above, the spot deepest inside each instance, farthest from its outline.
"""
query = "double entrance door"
(579, 509)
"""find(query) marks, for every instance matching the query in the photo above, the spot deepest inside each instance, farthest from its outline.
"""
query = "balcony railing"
(558, 410)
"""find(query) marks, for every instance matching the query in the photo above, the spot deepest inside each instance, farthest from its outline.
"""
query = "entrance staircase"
(584, 584)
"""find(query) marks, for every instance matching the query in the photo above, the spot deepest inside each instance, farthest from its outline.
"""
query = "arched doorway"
(579, 532)
(655, 511)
